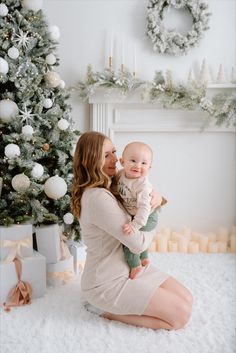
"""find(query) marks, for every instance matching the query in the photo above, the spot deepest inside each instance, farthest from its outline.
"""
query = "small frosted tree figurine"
(37, 134)
(204, 76)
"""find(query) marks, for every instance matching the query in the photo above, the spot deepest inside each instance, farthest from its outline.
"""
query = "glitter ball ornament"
(4, 66)
(33, 5)
(52, 78)
(20, 182)
(13, 53)
(8, 110)
(54, 32)
(55, 187)
(37, 171)
(12, 150)
(68, 218)
(3, 10)
(50, 59)
(46, 147)
(27, 130)
(63, 124)
(47, 103)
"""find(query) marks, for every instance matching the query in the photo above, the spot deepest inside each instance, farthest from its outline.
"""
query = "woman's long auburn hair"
(87, 168)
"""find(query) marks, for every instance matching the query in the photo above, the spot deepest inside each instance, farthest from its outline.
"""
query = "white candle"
(1, 182)
(196, 236)
(122, 52)
(135, 61)
(183, 244)
(211, 237)
(153, 246)
(222, 246)
(166, 231)
(233, 243)
(162, 243)
(186, 231)
(111, 43)
(175, 236)
(193, 247)
(222, 234)
(233, 230)
(213, 247)
(203, 243)
(172, 246)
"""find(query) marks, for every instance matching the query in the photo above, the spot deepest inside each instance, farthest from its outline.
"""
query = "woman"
(153, 299)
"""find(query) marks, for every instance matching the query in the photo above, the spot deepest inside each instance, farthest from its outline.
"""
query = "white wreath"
(170, 42)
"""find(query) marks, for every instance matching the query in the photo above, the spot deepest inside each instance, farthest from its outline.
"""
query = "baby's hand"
(128, 229)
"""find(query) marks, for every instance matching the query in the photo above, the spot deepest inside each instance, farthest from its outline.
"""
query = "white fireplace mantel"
(111, 111)
(195, 171)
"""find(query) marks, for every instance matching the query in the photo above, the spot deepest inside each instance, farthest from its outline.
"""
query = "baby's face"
(136, 161)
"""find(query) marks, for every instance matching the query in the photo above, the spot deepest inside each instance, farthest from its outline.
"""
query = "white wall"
(196, 172)
(85, 24)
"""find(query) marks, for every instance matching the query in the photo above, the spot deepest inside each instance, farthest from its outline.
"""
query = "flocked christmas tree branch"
(221, 107)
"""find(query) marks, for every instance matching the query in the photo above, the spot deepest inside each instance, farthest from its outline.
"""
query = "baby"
(135, 189)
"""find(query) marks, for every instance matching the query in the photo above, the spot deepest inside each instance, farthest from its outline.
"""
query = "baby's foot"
(134, 272)
(145, 262)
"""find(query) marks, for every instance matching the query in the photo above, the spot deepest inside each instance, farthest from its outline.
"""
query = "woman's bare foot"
(134, 272)
(145, 262)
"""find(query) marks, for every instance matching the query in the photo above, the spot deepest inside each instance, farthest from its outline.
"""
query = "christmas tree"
(37, 137)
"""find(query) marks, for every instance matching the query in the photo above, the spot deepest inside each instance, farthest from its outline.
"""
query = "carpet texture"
(59, 323)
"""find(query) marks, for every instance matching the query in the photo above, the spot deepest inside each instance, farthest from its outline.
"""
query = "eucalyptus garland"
(221, 108)
(169, 41)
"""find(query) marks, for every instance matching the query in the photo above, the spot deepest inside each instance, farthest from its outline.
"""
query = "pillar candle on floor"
(153, 246)
(222, 246)
(213, 247)
(172, 246)
(183, 244)
(203, 243)
(211, 237)
(193, 247)
(222, 234)
(233, 243)
(162, 243)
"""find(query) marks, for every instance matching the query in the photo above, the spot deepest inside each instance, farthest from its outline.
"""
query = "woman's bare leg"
(169, 308)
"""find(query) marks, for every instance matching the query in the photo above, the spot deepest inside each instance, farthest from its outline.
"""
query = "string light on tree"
(20, 182)
(8, 110)
(55, 187)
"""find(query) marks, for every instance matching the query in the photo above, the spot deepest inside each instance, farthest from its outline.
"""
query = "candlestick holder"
(110, 62)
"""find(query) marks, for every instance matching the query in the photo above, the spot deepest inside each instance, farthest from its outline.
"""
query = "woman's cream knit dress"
(105, 280)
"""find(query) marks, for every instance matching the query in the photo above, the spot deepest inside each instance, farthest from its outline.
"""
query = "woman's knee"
(183, 315)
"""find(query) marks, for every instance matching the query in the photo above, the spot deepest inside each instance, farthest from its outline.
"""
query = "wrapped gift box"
(15, 240)
(61, 272)
(48, 242)
(79, 251)
(33, 271)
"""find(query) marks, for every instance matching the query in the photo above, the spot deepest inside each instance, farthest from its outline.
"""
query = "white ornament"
(37, 171)
(27, 130)
(55, 187)
(3, 10)
(47, 103)
(12, 150)
(221, 75)
(52, 78)
(4, 68)
(8, 110)
(62, 84)
(63, 124)
(33, 5)
(50, 59)
(54, 32)
(20, 182)
(13, 53)
(68, 218)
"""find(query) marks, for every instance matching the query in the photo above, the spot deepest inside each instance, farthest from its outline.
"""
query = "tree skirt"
(59, 323)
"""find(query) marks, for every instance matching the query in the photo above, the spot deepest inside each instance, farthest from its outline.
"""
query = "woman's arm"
(108, 216)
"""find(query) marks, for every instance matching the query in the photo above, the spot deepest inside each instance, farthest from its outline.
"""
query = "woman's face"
(110, 159)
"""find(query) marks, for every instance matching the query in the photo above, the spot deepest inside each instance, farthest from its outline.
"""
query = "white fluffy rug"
(59, 323)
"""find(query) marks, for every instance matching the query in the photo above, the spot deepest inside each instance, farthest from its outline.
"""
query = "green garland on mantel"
(221, 107)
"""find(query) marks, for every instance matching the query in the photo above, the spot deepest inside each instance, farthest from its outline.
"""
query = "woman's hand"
(156, 199)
